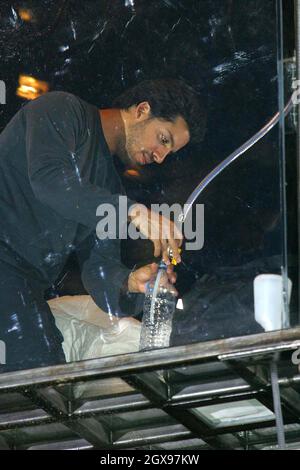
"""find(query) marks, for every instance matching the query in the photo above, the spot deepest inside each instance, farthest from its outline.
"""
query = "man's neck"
(113, 128)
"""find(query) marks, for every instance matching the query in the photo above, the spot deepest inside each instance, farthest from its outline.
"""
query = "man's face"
(150, 139)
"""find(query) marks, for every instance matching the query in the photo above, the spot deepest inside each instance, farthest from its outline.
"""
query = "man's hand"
(138, 279)
(161, 230)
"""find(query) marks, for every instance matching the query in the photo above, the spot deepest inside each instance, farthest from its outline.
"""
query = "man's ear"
(143, 110)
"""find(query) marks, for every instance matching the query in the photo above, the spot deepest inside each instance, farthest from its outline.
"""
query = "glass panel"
(291, 164)
(64, 155)
(242, 412)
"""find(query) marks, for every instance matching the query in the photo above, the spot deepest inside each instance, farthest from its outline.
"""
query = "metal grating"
(212, 395)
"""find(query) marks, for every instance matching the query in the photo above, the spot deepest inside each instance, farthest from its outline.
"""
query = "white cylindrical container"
(268, 301)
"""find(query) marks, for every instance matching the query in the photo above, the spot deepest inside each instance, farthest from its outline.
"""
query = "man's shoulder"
(57, 96)
(59, 103)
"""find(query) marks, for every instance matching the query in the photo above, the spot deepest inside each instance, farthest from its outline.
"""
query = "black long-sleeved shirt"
(55, 170)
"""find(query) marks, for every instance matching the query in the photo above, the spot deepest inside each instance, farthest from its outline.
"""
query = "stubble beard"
(130, 145)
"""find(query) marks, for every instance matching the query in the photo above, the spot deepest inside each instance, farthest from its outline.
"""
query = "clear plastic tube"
(155, 289)
(231, 158)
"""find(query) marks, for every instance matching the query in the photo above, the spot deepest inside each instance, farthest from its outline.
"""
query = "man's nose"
(160, 155)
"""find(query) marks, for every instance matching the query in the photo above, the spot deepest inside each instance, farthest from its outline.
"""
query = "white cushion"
(89, 332)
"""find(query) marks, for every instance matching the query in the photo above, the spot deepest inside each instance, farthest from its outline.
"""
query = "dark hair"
(168, 99)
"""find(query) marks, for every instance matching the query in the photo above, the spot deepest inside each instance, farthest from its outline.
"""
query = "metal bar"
(50, 401)
(24, 418)
(297, 46)
(144, 361)
(158, 392)
(113, 405)
(291, 414)
(209, 401)
(159, 436)
(194, 424)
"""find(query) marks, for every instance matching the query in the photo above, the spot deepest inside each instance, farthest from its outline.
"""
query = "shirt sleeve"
(105, 277)
(54, 127)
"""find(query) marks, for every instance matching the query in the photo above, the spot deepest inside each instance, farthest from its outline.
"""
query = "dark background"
(226, 49)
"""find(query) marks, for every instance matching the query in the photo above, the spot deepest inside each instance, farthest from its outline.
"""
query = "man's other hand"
(138, 279)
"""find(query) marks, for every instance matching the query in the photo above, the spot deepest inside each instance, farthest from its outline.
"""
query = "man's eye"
(164, 140)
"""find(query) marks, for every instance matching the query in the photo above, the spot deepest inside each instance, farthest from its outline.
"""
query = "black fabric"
(55, 170)
(27, 325)
(217, 307)
(102, 271)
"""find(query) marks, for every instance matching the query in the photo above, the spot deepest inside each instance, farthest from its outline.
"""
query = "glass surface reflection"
(241, 65)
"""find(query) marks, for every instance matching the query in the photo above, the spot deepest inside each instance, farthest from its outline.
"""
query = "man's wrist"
(136, 209)
(130, 282)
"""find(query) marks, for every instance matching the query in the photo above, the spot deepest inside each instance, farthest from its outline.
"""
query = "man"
(56, 169)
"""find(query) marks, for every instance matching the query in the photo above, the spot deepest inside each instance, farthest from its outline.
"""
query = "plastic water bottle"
(158, 311)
